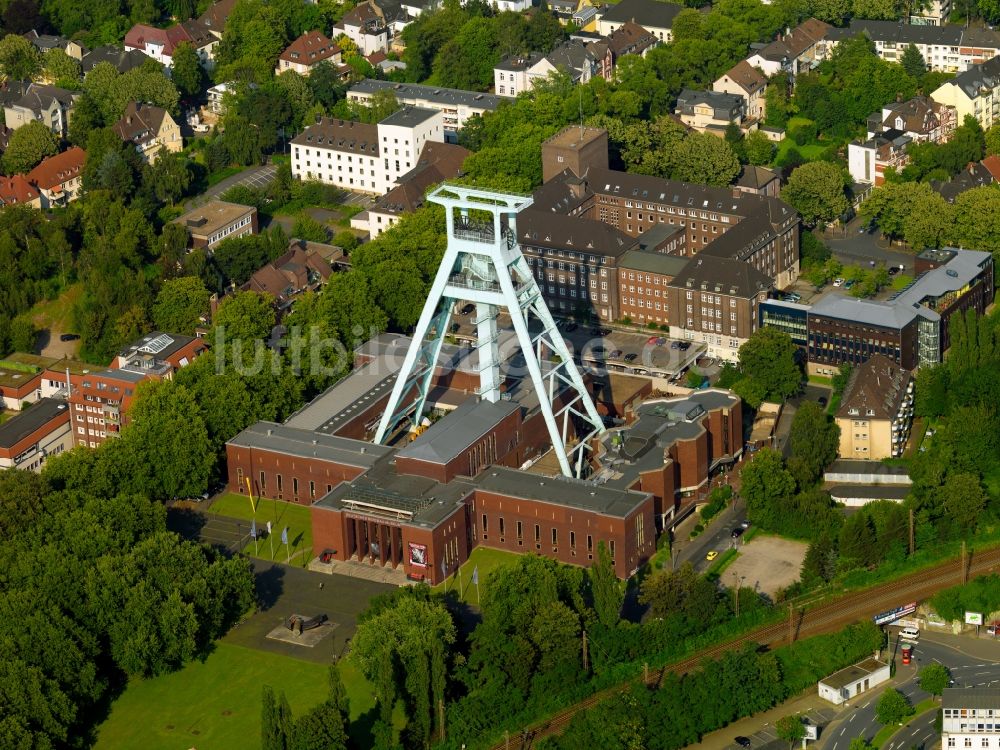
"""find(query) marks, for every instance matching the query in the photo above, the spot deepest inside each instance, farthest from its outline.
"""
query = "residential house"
(456, 105)
(49, 105)
(974, 175)
(438, 162)
(586, 17)
(301, 269)
(920, 117)
(215, 95)
(519, 73)
(5, 134)
(710, 111)
(160, 44)
(654, 16)
(59, 179)
(975, 92)
(302, 54)
(363, 157)
(28, 439)
(930, 13)
(149, 129)
(629, 39)
(17, 191)
(867, 161)
(215, 16)
(949, 49)
(748, 82)
(758, 181)
(373, 25)
(876, 411)
(215, 221)
(122, 60)
(44, 42)
(563, 9)
(798, 50)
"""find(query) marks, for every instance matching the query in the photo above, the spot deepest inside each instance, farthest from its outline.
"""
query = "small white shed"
(853, 681)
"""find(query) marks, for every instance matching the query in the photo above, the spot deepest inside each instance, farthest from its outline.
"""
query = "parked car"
(467, 309)
(684, 345)
(742, 741)
(675, 344)
(793, 297)
(712, 554)
(69, 337)
(455, 327)
(745, 524)
(838, 281)
(909, 633)
(849, 284)
(631, 357)
(652, 340)
(616, 354)
(893, 270)
(822, 400)
(327, 555)
(994, 628)
(737, 532)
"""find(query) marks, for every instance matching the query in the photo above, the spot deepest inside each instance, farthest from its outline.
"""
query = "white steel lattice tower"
(483, 264)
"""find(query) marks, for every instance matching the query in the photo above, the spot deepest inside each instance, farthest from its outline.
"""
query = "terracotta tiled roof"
(992, 164)
(16, 189)
(56, 170)
(630, 38)
(876, 389)
(217, 14)
(193, 32)
(310, 48)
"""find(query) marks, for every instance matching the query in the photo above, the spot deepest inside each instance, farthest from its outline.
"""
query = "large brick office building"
(422, 504)
(665, 217)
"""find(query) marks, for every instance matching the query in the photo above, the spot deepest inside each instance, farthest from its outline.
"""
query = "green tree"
(28, 145)
(892, 707)
(913, 62)
(19, 60)
(759, 148)
(992, 139)
(61, 69)
(272, 735)
(963, 500)
(857, 540)
(186, 71)
(790, 729)
(766, 482)
(934, 678)
(814, 440)
(23, 334)
(860, 743)
(776, 101)
(169, 176)
(877, 10)
(180, 305)
(767, 366)
(605, 588)
(832, 11)
(706, 159)
(244, 316)
(820, 562)
(816, 191)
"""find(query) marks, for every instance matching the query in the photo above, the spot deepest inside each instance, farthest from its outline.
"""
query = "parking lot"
(766, 564)
(767, 738)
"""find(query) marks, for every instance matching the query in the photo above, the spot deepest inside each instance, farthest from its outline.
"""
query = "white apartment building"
(455, 105)
(971, 718)
(361, 157)
(950, 49)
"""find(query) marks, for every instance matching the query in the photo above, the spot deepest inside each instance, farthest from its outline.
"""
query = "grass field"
(887, 732)
(280, 514)
(215, 704)
(810, 151)
(487, 560)
(900, 282)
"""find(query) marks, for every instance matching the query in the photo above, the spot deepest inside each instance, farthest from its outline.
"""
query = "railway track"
(802, 623)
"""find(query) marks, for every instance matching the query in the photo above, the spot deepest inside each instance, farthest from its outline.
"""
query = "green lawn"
(810, 151)
(486, 560)
(215, 704)
(886, 733)
(900, 282)
(280, 514)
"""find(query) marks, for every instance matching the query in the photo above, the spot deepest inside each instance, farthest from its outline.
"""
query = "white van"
(909, 633)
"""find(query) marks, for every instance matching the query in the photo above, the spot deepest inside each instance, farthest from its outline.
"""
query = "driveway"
(851, 247)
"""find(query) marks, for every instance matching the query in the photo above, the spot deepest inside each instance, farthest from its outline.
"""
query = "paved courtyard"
(767, 563)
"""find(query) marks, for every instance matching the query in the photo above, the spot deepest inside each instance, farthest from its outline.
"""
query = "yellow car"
(712, 555)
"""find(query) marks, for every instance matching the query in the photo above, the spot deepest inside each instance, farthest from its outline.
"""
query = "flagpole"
(250, 492)
(270, 540)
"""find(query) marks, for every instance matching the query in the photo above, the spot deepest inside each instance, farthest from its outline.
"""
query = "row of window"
(235, 227)
(554, 532)
(983, 741)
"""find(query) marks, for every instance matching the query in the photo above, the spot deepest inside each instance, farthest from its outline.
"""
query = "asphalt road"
(966, 671)
(718, 536)
(854, 247)
(254, 177)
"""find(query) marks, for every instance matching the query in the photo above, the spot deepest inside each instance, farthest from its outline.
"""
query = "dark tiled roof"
(644, 12)
(722, 276)
(538, 229)
(341, 135)
(876, 389)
